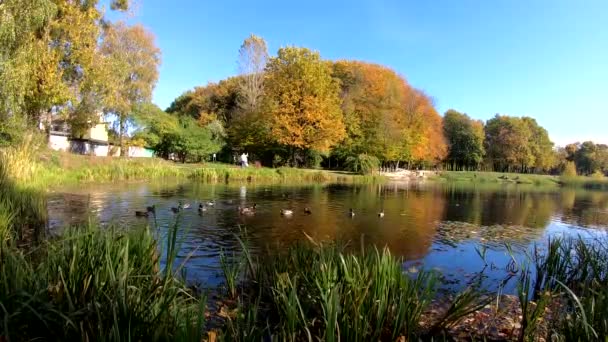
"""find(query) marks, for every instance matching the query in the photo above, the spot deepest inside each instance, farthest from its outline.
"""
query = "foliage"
(190, 141)
(588, 157)
(518, 144)
(50, 62)
(363, 164)
(385, 117)
(569, 170)
(465, 139)
(133, 61)
(304, 102)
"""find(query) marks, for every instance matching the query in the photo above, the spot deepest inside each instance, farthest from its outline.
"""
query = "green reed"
(95, 284)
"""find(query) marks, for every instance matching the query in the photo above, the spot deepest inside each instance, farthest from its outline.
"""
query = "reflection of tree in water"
(503, 206)
(585, 208)
(407, 229)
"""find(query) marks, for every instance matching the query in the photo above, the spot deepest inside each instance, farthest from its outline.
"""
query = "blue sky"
(545, 59)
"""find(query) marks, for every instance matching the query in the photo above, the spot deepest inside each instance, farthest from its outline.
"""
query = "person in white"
(244, 161)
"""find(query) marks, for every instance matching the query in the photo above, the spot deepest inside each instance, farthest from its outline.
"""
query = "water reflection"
(418, 221)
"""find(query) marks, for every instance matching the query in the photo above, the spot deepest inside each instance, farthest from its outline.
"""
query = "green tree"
(133, 71)
(465, 139)
(189, 142)
(304, 102)
(518, 144)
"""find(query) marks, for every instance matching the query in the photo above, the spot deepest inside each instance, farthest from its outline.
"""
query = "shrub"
(363, 164)
(569, 169)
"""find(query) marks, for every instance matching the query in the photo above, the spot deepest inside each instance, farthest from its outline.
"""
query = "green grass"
(53, 168)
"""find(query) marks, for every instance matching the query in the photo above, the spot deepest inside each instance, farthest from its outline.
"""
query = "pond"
(441, 226)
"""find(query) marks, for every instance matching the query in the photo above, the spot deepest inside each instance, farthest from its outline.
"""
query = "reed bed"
(95, 284)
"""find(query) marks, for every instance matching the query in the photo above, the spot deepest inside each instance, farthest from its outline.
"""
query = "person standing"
(214, 157)
(244, 160)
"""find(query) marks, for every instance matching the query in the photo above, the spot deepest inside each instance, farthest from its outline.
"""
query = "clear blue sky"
(546, 59)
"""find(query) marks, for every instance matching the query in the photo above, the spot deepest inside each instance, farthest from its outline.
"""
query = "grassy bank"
(52, 168)
(497, 177)
(585, 182)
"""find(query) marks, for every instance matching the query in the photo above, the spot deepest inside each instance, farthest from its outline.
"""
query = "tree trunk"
(121, 134)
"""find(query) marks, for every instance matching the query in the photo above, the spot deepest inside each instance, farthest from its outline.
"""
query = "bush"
(569, 169)
(598, 175)
(363, 164)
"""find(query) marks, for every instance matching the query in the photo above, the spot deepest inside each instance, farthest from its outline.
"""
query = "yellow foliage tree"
(303, 100)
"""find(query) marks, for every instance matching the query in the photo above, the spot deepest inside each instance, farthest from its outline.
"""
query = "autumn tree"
(304, 102)
(385, 117)
(49, 59)
(133, 61)
(465, 139)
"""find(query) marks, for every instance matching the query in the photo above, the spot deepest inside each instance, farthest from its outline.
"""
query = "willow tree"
(132, 59)
(304, 101)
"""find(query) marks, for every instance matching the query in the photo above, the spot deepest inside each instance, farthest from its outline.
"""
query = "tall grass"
(94, 284)
(321, 292)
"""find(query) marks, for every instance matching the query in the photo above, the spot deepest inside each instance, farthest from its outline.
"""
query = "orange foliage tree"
(386, 117)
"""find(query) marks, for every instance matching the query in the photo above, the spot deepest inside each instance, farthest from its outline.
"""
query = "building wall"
(140, 152)
(59, 142)
(98, 132)
(88, 148)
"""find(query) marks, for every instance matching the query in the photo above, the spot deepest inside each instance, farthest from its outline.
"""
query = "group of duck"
(151, 210)
(248, 211)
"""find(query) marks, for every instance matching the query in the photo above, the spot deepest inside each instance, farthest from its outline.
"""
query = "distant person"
(214, 157)
(244, 162)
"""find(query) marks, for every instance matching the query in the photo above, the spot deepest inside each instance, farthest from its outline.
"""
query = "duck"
(202, 208)
(286, 212)
(141, 213)
(178, 208)
(307, 211)
(211, 203)
(381, 213)
(247, 210)
(351, 212)
(186, 206)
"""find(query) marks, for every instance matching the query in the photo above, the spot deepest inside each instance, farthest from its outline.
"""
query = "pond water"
(440, 226)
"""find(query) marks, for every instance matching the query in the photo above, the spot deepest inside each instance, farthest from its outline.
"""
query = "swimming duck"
(247, 210)
(178, 208)
(211, 203)
(351, 212)
(381, 213)
(307, 211)
(141, 213)
(286, 212)
(202, 208)
(186, 206)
